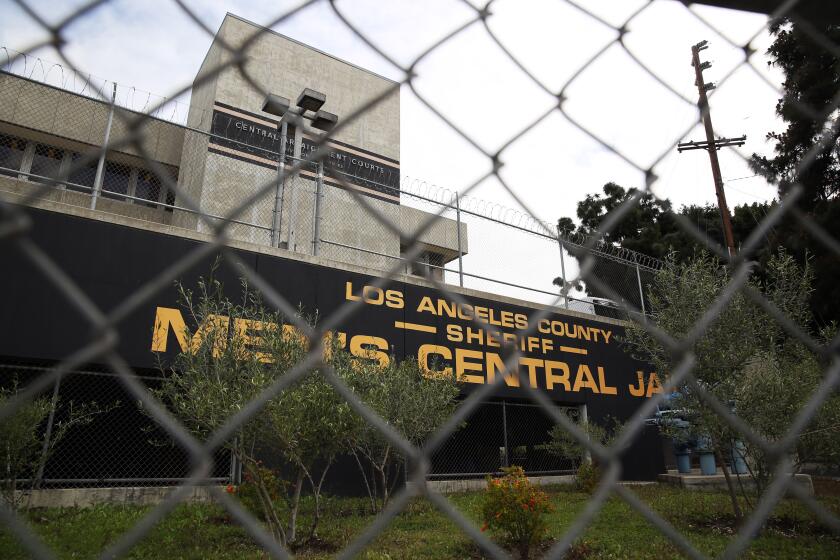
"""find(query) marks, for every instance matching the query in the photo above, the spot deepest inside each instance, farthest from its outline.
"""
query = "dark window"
(426, 263)
(81, 174)
(170, 199)
(115, 180)
(170, 194)
(148, 188)
(11, 154)
(46, 162)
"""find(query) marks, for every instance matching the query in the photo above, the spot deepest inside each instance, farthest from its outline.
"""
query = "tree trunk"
(736, 507)
(274, 524)
(316, 491)
(383, 476)
(367, 484)
(293, 513)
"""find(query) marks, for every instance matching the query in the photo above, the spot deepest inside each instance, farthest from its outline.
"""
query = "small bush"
(515, 510)
(255, 488)
(587, 477)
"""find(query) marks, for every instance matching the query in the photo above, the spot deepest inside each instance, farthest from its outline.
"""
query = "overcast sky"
(156, 48)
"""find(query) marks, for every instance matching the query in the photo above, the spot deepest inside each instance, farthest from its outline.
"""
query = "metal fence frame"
(14, 229)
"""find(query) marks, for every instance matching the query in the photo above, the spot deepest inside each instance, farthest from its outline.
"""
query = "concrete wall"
(73, 117)
(285, 67)
(194, 153)
(51, 116)
(217, 184)
(282, 66)
(442, 236)
(11, 186)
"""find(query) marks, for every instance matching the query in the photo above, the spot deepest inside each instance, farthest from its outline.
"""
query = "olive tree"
(744, 358)
(237, 350)
(24, 442)
(411, 400)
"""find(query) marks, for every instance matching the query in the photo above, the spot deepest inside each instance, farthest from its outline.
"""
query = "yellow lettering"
(360, 346)
(447, 308)
(654, 386)
(605, 389)
(394, 299)
(584, 380)
(639, 389)
(426, 305)
(532, 364)
(462, 365)
(244, 340)
(494, 364)
(166, 317)
(551, 379)
(348, 292)
(423, 359)
(454, 333)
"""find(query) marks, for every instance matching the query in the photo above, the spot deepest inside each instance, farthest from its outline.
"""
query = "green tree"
(23, 435)
(413, 402)
(238, 350)
(735, 353)
(649, 228)
(807, 106)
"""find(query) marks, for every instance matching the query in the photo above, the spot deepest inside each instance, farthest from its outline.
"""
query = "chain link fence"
(318, 207)
(500, 434)
(134, 169)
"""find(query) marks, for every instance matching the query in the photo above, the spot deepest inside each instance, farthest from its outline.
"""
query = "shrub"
(255, 488)
(515, 510)
(587, 477)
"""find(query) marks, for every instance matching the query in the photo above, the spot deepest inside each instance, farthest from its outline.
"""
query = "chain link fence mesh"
(133, 172)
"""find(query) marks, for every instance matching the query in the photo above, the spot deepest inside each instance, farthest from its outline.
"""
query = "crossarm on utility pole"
(711, 145)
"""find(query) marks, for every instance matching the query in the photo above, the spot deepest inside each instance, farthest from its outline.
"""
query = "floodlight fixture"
(324, 120)
(311, 100)
(276, 105)
(702, 45)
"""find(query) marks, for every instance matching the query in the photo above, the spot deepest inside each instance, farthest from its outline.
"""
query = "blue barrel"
(739, 452)
(683, 463)
(707, 464)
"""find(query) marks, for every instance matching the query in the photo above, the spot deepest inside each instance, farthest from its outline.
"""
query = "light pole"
(306, 108)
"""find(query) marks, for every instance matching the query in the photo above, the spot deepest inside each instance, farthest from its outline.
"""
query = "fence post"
(584, 422)
(42, 463)
(641, 292)
(281, 179)
(297, 142)
(562, 268)
(460, 250)
(100, 166)
(505, 430)
(316, 226)
(232, 473)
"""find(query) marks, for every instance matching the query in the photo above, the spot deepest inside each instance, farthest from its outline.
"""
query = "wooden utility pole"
(711, 145)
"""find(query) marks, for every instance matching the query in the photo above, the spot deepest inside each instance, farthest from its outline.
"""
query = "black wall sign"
(245, 136)
(574, 359)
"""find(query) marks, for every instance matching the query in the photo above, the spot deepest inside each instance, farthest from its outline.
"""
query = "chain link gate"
(150, 182)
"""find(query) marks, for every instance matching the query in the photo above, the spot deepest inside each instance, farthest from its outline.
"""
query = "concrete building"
(228, 155)
(115, 226)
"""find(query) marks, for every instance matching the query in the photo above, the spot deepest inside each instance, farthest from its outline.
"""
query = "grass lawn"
(203, 531)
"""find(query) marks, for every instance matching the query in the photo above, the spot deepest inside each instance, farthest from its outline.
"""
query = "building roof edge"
(293, 40)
